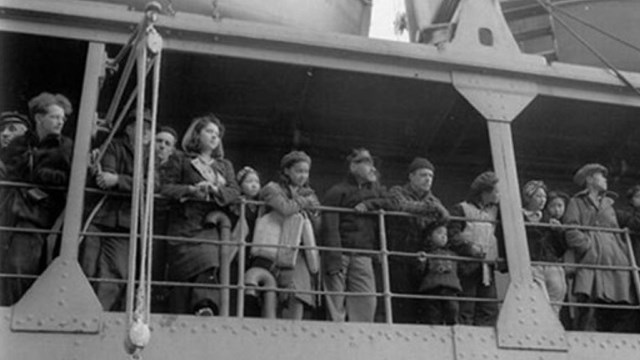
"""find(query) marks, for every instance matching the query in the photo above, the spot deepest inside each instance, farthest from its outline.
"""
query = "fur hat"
(587, 170)
(294, 157)
(420, 163)
(484, 182)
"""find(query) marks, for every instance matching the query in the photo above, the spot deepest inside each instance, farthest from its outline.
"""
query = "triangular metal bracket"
(496, 98)
(527, 321)
(61, 300)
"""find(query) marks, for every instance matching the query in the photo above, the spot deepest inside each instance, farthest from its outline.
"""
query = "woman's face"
(209, 138)
(251, 185)
(538, 200)
(556, 208)
(298, 173)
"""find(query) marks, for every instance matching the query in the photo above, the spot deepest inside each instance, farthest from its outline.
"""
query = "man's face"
(51, 122)
(597, 181)
(422, 179)
(364, 170)
(165, 145)
(11, 131)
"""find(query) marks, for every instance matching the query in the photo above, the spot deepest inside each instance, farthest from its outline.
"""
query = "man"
(41, 157)
(407, 234)
(112, 253)
(476, 238)
(593, 206)
(12, 125)
(348, 271)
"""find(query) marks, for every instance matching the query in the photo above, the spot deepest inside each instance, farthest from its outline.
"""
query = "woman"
(291, 195)
(203, 181)
(545, 244)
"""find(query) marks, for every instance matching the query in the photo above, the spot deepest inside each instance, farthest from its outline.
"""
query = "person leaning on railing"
(350, 271)
(106, 256)
(593, 206)
(407, 234)
(41, 156)
(545, 244)
(203, 186)
(477, 238)
(288, 196)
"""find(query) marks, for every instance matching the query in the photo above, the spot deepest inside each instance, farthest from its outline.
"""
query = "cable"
(589, 47)
(593, 27)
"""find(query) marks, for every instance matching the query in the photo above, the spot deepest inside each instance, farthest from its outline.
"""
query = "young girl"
(544, 244)
(288, 196)
(439, 277)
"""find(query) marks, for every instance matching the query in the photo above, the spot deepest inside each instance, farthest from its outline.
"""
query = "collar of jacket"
(608, 197)
(416, 194)
(351, 179)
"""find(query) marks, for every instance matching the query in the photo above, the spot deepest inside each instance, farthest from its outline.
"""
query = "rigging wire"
(593, 27)
(586, 44)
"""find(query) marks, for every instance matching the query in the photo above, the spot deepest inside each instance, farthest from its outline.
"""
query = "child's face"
(439, 236)
(635, 200)
(251, 185)
(556, 208)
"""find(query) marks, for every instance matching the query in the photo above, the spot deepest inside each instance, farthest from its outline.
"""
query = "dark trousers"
(402, 278)
(440, 312)
(608, 320)
(23, 254)
(113, 263)
(478, 313)
(188, 300)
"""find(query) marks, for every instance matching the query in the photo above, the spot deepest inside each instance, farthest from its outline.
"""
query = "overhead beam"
(200, 34)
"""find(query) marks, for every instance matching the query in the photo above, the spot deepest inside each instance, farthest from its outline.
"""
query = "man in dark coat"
(348, 271)
(407, 234)
(41, 157)
(594, 207)
(107, 256)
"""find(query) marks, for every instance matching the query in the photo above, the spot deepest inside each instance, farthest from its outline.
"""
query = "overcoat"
(598, 247)
(187, 216)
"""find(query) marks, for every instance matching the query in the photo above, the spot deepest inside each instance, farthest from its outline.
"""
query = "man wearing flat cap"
(593, 206)
(350, 271)
(407, 234)
(476, 237)
(12, 125)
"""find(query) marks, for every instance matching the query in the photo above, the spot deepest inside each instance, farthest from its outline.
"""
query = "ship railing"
(383, 254)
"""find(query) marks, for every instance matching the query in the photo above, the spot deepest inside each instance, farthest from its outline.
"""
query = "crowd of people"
(200, 188)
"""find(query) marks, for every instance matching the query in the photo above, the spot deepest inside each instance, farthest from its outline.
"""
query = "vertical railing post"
(632, 259)
(241, 260)
(386, 283)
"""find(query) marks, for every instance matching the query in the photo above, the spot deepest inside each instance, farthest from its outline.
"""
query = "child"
(249, 182)
(439, 277)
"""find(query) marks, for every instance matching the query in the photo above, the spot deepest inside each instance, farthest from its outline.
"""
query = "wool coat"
(598, 247)
(187, 218)
(281, 198)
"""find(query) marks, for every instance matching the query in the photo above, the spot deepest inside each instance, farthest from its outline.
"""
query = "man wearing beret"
(407, 234)
(349, 271)
(593, 206)
(476, 237)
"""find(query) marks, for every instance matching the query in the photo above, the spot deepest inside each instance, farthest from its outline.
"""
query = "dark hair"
(40, 104)
(168, 129)
(632, 192)
(191, 140)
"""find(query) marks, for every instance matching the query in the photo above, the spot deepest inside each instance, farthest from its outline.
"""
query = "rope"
(586, 44)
